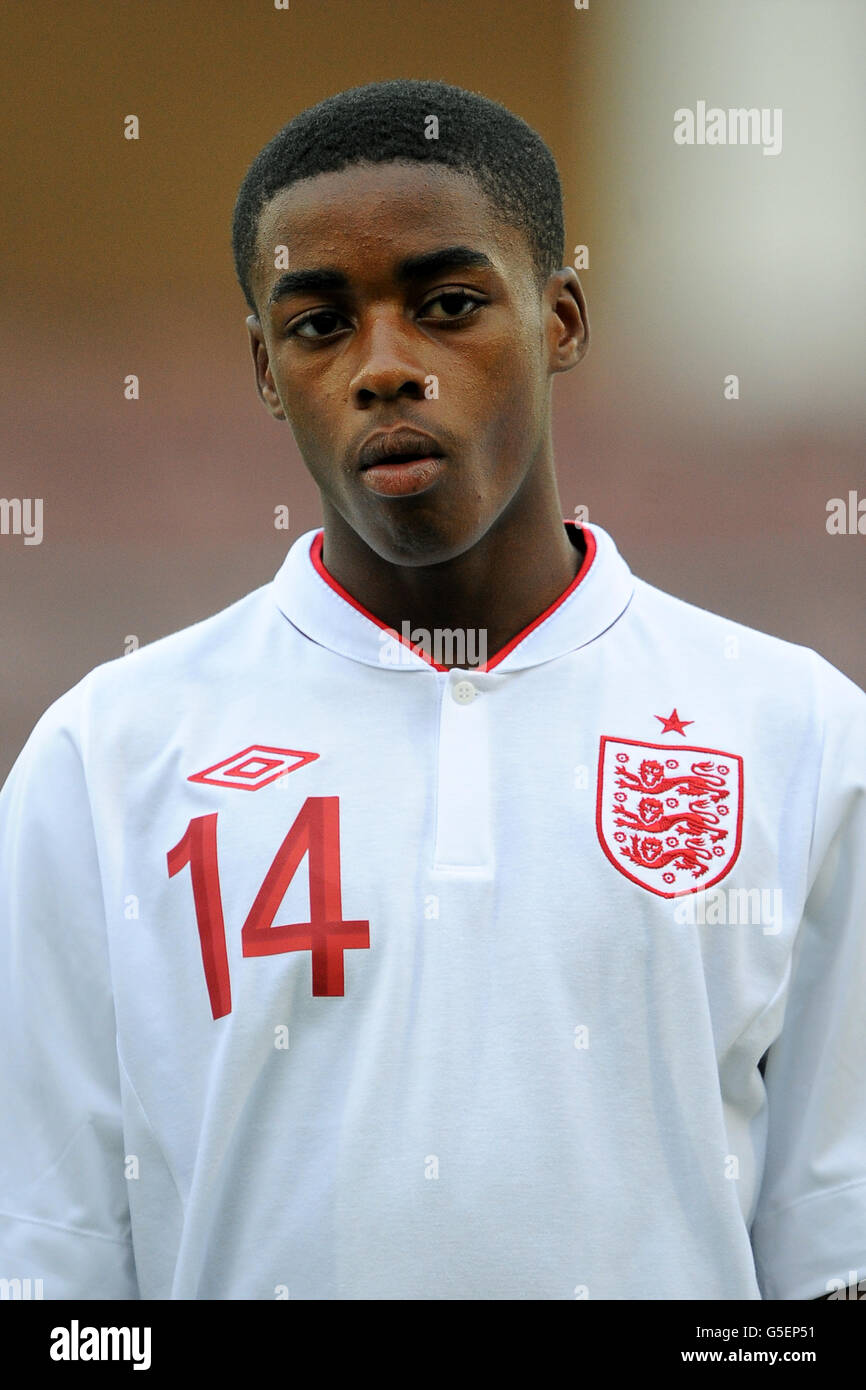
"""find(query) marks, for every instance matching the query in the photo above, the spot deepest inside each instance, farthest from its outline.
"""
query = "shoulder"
(132, 699)
(744, 658)
(802, 720)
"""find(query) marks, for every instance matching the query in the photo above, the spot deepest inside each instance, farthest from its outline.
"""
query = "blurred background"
(703, 262)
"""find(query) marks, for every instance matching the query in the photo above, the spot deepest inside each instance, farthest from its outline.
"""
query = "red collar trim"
(589, 540)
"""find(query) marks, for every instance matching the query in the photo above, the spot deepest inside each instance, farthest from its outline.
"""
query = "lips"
(400, 445)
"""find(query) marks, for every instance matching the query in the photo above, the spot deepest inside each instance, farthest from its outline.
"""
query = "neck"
(490, 592)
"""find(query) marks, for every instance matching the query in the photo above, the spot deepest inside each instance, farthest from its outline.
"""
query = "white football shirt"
(326, 973)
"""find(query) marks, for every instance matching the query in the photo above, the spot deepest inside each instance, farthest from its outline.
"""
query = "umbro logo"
(253, 767)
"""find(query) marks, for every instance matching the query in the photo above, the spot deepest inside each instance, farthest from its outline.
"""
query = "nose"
(387, 363)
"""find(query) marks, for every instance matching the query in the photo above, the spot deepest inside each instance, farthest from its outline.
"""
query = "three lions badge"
(669, 818)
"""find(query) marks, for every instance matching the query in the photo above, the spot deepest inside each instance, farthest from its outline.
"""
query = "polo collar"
(324, 611)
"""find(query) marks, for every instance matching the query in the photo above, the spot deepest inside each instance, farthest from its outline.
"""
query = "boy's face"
(462, 352)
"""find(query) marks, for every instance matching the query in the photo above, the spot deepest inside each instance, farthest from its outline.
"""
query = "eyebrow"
(422, 266)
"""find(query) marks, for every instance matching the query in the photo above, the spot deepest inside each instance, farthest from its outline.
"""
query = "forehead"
(373, 215)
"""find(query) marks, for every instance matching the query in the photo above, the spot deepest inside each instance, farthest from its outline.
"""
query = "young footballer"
(456, 916)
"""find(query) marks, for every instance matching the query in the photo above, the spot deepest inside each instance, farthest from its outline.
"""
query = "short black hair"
(385, 121)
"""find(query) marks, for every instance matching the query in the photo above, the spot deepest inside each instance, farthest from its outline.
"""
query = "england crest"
(669, 818)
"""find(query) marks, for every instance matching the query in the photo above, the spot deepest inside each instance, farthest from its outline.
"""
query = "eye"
(452, 301)
(323, 322)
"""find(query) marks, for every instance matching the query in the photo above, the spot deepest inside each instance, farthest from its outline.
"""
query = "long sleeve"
(64, 1209)
(809, 1230)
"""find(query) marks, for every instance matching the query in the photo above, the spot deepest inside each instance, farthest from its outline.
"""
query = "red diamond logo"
(253, 767)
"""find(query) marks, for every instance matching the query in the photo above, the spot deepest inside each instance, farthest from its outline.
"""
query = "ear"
(567, 324)
(261, 362)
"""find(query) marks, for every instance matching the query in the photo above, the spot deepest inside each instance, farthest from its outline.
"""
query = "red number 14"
(316, 831)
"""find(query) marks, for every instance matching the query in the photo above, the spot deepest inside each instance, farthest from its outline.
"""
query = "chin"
(422, 538)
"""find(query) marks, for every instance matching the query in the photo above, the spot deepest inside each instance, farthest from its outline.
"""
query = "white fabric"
(541, 1080)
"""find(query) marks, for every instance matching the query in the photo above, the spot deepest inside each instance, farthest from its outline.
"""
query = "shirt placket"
(464, 834)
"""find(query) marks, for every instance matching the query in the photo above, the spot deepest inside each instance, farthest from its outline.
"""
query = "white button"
(464, 692)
